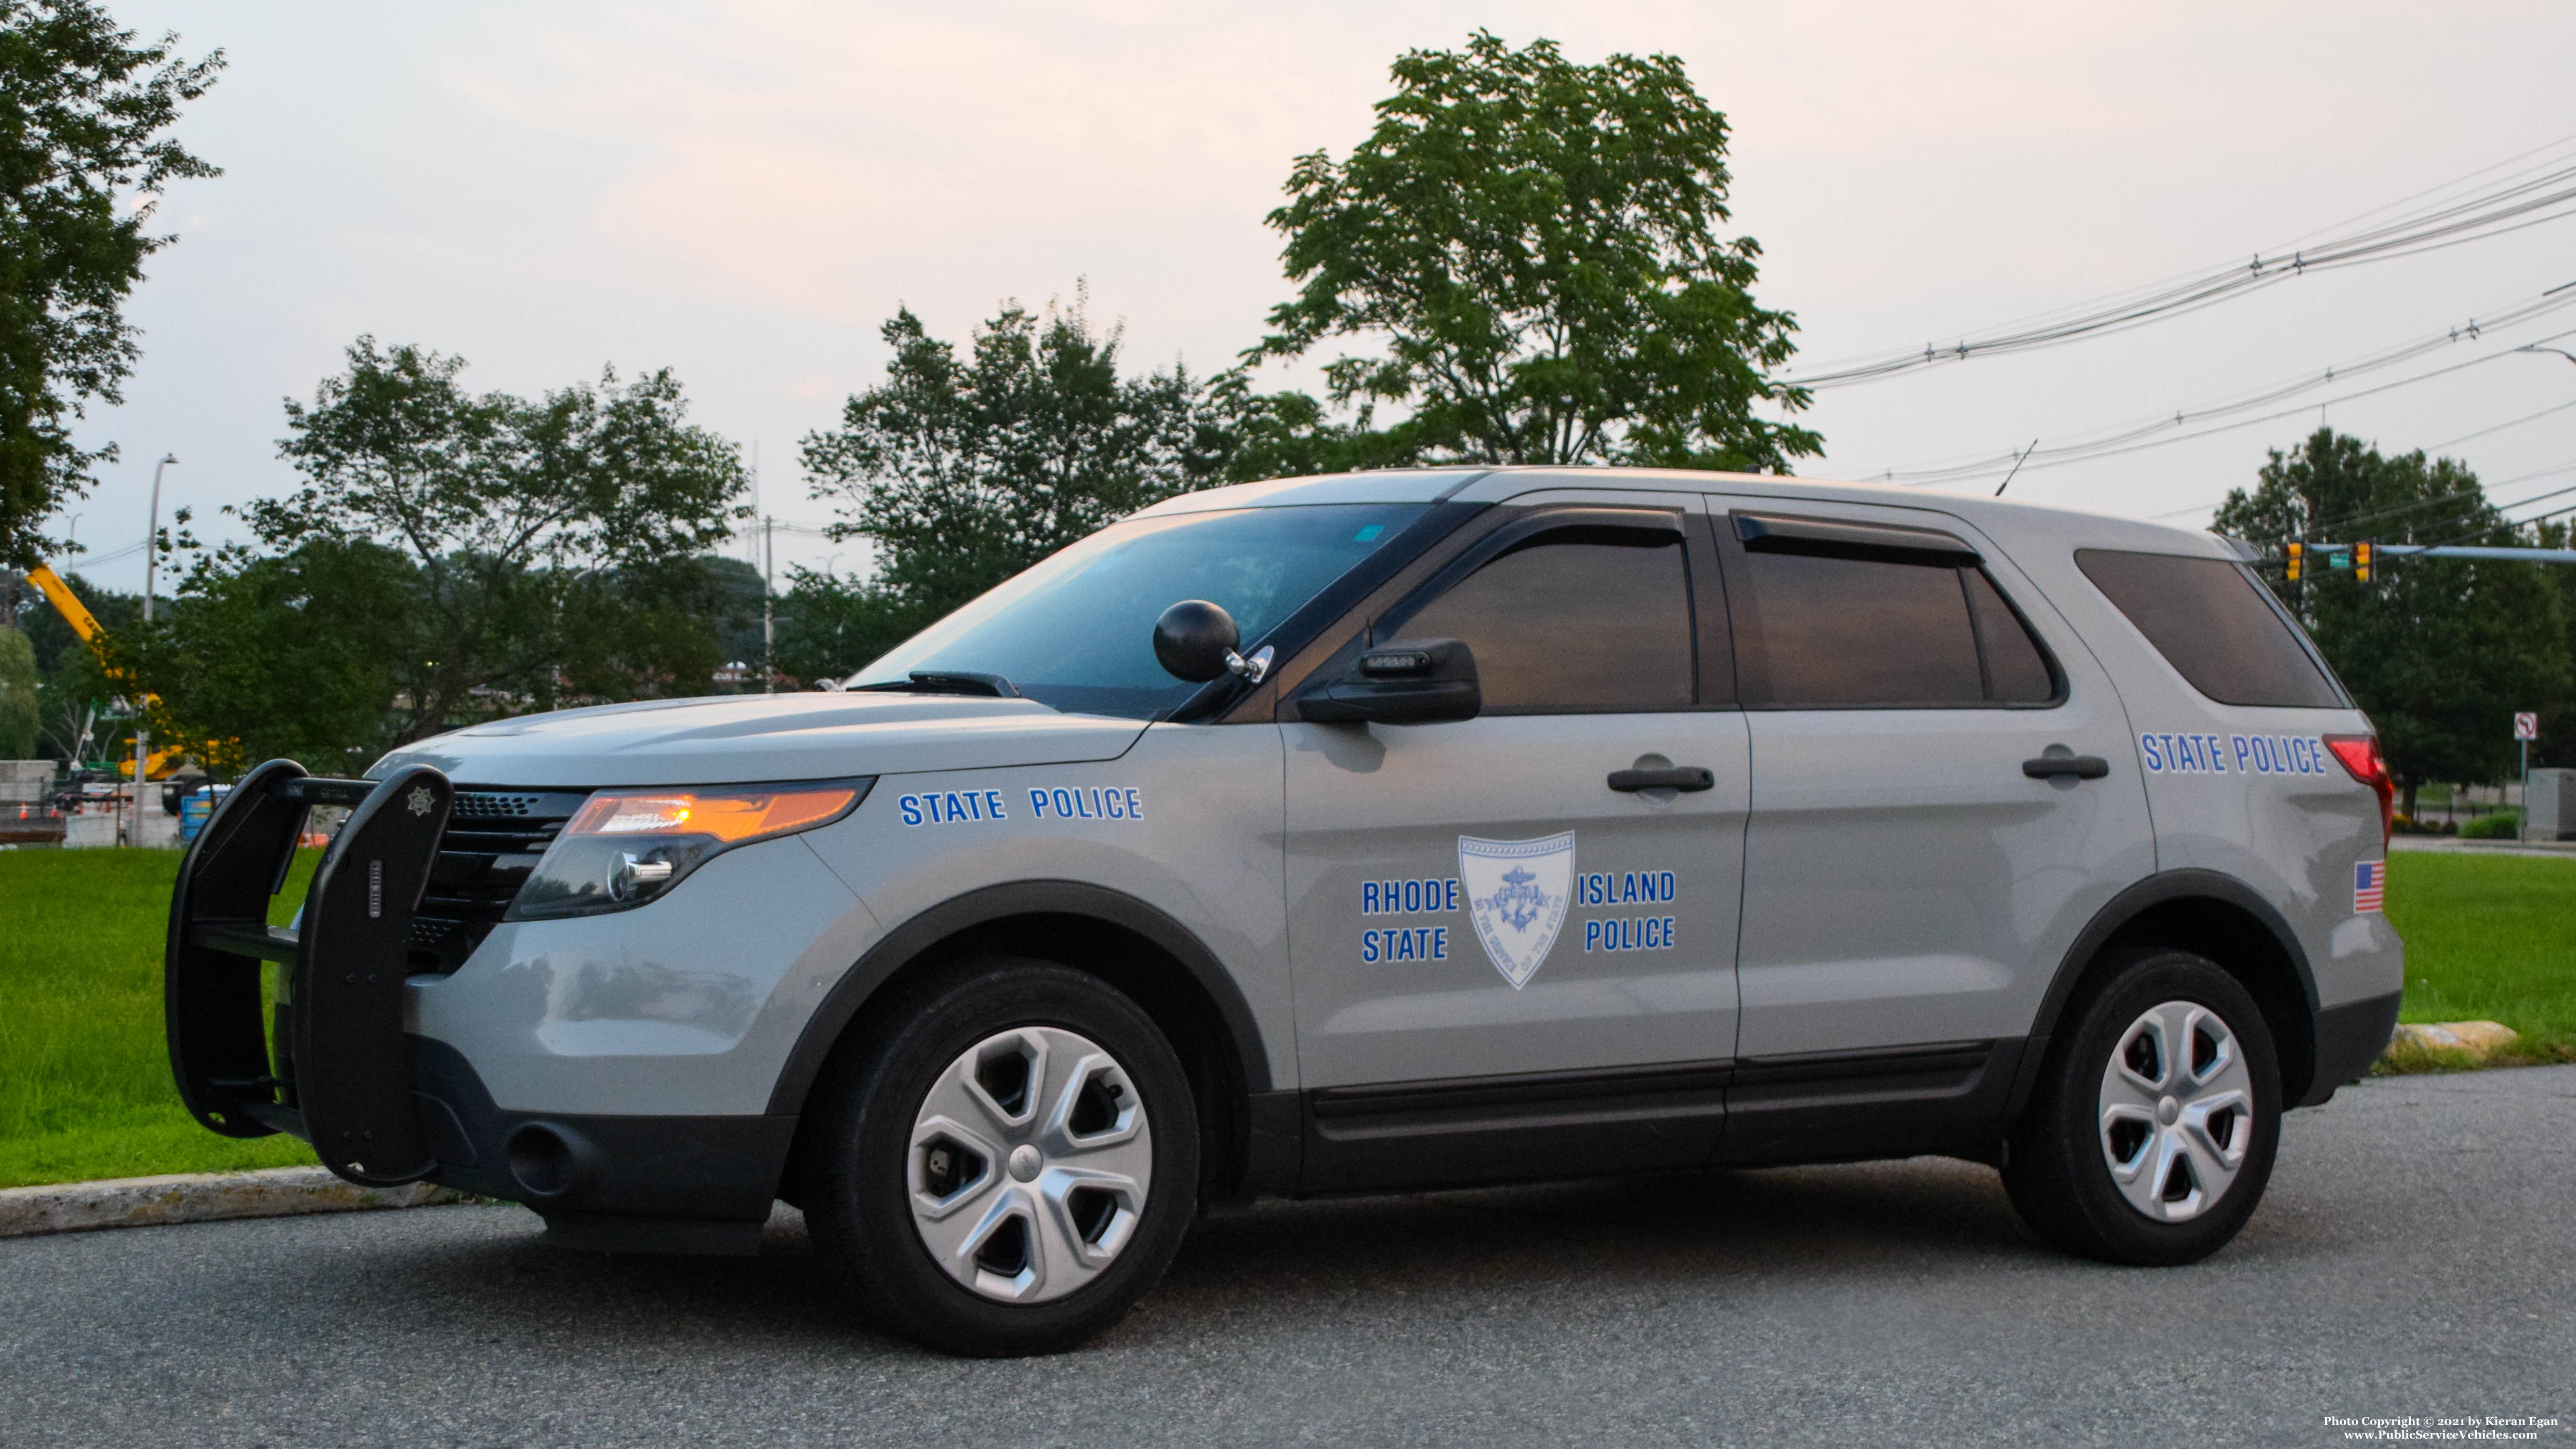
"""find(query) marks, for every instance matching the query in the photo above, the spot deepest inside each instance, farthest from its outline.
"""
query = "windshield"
(1076, 632)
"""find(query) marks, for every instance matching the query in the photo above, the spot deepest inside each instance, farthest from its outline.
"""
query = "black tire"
(2059, 1170)
(857, 1161)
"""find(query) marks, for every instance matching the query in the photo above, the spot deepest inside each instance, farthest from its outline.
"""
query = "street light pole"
(152, 539)
(151, 563)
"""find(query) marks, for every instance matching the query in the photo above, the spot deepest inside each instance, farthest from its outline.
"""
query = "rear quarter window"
(2215, 625)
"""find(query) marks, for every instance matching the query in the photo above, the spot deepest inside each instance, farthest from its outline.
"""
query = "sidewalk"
(2452, 844)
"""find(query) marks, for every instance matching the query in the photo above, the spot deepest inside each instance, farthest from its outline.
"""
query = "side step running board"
(340, 1075)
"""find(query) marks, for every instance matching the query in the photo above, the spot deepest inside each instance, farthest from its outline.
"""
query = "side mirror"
(1195, 641)
(1425, 681)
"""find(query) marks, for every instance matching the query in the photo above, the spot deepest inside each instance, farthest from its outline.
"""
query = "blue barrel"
(194, 807)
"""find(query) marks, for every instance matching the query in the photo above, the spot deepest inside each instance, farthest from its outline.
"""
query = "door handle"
(2081, 767)
(1685, 778)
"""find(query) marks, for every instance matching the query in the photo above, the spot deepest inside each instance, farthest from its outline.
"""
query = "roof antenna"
(2024, 457)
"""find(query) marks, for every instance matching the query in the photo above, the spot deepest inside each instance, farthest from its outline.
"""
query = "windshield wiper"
(947, 681)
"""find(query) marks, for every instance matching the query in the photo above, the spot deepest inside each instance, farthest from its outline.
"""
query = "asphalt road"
(2417, 1256)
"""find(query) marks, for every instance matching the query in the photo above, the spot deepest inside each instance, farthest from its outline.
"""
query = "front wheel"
(2151, 1134)
(1010, 1163)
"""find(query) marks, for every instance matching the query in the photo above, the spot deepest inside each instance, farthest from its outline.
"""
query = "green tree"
(18, 683)
(72, 712)
(1289, 434)
(830, 627)
(963, 471)
(543, 534)
(2557, 742)
(295, 654)
(2440, 652)
(83, 153)
(1532, 246)
(727, 592)
(646, 629)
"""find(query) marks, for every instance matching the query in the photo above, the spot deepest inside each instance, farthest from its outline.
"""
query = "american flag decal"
(2369, 885)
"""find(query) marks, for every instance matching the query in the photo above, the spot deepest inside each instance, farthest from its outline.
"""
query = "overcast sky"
(745, 192)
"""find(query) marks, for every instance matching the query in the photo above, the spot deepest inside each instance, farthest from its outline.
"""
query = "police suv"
(1347, 834)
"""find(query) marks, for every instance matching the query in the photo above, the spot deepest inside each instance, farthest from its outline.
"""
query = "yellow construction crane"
(75, 613)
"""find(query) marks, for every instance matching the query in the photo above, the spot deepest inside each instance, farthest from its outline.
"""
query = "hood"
(745, 738)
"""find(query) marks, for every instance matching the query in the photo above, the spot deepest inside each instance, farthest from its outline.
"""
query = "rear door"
(1505, 963)
(1942, 796)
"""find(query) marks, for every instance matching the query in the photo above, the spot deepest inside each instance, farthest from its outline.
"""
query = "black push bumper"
(337, 1074)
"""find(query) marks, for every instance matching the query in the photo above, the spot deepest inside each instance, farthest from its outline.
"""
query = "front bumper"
(621, 1183)
(335, 1066)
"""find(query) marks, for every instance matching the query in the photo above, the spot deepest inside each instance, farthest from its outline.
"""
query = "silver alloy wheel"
(1030, 1164)
(2177, 1111)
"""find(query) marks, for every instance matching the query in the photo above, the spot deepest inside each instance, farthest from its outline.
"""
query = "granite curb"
(200, 1197)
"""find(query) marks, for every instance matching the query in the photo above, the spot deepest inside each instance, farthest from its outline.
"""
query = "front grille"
(494, 839)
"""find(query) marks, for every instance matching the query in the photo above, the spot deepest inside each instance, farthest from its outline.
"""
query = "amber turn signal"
(729, 815)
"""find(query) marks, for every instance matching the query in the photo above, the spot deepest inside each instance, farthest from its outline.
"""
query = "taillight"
(2362, 760)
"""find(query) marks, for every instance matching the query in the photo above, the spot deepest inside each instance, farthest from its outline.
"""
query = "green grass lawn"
(86, 1092)
(2490, 938)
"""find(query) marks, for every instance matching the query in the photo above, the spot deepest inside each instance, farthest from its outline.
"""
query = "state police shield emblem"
(1517, 892)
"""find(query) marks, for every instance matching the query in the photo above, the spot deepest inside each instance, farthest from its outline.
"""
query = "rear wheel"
(1009, 1164)
(2151, 1135)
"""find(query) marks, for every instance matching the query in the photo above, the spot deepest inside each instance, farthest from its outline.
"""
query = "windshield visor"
(1075, 632)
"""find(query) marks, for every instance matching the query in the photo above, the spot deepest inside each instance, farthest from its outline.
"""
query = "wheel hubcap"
(2177, 1111)
(1031, 1160)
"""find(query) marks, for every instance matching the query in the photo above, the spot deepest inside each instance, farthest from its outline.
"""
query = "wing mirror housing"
(1195, 641)
(1421, 681)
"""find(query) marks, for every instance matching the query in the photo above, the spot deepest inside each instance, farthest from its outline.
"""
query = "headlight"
(627, 847)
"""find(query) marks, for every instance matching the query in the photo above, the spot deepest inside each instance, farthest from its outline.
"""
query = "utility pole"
(768, 593)
(768, 559)
(151, 564)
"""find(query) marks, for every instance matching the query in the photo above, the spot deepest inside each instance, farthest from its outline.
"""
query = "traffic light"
(2298, 555)
(2361, 558)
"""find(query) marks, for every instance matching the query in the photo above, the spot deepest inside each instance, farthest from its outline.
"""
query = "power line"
(2461, 507)
(2457, 181)
(2517, 523)
(2343, 524)
(2138, 438)
(2498, 428)
(2513, 203)
(93, 560)
(2435, 448)
(2474, 329)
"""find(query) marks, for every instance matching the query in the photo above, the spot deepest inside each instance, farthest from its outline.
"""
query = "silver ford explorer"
(1351, 834)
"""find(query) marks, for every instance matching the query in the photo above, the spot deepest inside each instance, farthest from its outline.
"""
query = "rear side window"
(1888, 630)
(2214, 624)
(1576, 621)
(2016, 672)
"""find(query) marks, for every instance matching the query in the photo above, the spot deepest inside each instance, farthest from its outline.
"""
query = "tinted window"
(1887, 631)
(2214, 624)
(1076, 631)
(2016, 671)
(1576, 621)
(1846, 631)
